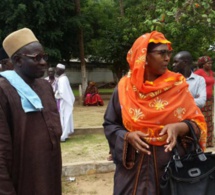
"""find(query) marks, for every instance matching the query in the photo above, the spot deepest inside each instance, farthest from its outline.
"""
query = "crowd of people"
(145, 118)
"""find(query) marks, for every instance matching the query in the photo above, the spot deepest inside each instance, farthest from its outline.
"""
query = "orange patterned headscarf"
(149, 106)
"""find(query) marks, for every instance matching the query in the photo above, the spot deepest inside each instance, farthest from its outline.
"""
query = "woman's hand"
(173, 131)
(135, 138)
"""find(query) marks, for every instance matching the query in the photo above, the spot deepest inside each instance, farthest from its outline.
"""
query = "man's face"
(59, 71)
(51, 72)
(32, 61)
(178, 64)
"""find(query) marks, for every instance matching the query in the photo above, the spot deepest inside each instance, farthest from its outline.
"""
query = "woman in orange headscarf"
(145, 117)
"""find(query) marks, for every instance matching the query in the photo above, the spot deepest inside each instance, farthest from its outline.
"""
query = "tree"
(50, 20)
(188, 24)
(110, 26)
(81, 48)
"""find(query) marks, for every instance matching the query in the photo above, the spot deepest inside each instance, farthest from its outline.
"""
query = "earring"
(146, 63)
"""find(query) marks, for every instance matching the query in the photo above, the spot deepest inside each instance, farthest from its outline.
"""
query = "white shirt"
(64, 90)
(65, 99)
(54, 83)
(197, 88)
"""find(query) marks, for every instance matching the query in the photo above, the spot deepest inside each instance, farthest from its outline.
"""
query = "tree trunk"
(83, 63)
(81, 50)
(121, 8)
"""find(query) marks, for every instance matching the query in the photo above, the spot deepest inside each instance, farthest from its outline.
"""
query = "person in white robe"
(65, 101)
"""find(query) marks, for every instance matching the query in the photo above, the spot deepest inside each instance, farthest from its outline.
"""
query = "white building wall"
(99, 75)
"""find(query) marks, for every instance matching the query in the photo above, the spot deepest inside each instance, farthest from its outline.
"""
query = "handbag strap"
(176, 158)
(198, 149)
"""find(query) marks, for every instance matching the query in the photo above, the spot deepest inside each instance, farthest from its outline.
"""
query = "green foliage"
(184, 23)
(50, 20)
(110, 28)
(189, 25)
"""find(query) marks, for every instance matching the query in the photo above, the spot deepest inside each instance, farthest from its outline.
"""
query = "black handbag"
(193, 174)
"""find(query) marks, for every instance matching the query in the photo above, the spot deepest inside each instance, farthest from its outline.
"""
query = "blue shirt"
(197, 88)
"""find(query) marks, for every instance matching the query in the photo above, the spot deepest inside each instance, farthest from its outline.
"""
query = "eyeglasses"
(37, 57)
(163, 52)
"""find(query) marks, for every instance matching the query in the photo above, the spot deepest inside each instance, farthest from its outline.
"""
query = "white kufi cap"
(61, 66)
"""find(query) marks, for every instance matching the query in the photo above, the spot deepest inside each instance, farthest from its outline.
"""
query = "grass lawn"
(81, 148)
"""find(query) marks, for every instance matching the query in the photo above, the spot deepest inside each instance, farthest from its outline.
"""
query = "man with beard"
(30, 154)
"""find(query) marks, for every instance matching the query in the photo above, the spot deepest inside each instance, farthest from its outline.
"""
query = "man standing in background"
(65, 101)
(5, 61)
(182, 63)
(52, 79)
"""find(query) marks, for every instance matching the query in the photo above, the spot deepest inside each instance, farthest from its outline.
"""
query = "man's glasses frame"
(37, 57)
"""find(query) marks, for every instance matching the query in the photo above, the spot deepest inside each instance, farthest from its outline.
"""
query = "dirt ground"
(74, 151)
(95, 184)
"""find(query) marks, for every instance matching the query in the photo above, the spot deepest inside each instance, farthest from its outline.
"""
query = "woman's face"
(208, 65)
(157, 62)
